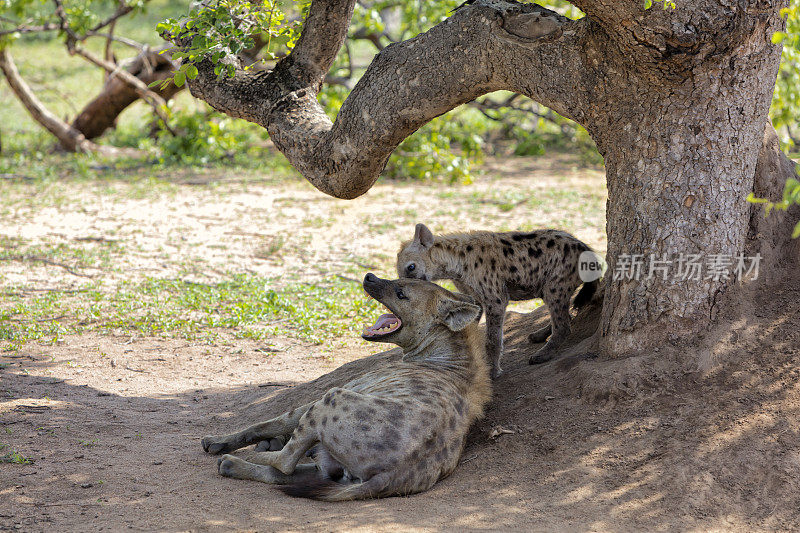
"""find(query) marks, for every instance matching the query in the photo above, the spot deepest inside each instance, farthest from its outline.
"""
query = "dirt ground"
(700, 436)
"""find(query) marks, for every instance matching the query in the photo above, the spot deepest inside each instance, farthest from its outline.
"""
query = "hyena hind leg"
(277, 427)
(495, 316)
(560, 321)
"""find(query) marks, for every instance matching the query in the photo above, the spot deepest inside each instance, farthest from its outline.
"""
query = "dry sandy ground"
(658, 442)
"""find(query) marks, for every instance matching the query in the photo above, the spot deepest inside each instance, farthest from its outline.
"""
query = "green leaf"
(754, 200)
(180, 78)
(778, 37)
(796, 232)
(191, 72)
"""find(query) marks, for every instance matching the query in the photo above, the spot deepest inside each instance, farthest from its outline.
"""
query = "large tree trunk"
(676, 99)
(680, 151)
(117, 94)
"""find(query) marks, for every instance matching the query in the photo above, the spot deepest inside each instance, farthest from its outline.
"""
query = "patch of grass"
(271, 247)
(242, 306)
(8, 455)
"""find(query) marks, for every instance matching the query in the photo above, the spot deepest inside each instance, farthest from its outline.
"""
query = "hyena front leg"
(269, 430)
(495, 316)
(557, 301)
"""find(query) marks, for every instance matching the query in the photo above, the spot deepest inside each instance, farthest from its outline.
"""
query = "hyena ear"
(468, 299)
(423, 236)
(457, 314)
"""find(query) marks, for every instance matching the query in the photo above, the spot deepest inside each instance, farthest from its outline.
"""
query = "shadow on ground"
(699, 445)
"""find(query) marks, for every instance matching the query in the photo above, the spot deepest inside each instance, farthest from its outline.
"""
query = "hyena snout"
(375, 286)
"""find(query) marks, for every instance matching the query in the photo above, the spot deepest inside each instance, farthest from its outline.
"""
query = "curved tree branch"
(480, 49)
(152, 98)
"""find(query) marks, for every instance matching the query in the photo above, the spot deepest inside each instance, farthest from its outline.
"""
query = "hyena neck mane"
(462, 353)
(448, 254)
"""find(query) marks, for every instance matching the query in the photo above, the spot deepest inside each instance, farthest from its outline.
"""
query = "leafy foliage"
(785, 110)
(204, 137)
(79, 16)
(221, 29)
(12, 456)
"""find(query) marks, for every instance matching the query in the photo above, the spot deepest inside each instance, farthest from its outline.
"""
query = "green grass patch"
(242, 306)
(88, 252)
(7, 455)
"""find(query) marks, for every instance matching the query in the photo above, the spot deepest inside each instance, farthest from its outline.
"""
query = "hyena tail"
(584, 295)
(328, 490)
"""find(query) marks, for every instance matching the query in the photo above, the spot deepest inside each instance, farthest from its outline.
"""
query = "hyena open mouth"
(385, 325)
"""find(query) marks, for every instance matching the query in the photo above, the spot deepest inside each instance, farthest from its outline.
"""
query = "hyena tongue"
(385, 324)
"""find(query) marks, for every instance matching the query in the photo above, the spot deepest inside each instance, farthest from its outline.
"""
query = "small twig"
(116, 38)
(49, 262)
(120, 12)
(465, 461)
(16, 177)
(95, 239)
(50, 26)
(136, 370)
(108, 53)
(48, 289)
(348, 279)
(32, 408)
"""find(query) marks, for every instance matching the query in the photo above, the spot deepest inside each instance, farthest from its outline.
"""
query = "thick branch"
(687, 34)
(483, 47)
(153, 99)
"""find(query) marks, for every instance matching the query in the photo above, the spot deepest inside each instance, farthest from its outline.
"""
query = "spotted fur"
(392, 431)
(495, 268)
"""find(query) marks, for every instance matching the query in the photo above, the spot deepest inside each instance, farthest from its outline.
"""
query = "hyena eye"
(401, 294)
(411, 267)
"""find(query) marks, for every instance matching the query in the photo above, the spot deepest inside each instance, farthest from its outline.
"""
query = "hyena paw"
(542, 356)
(214, 445)
(270, 445)
(226, 465)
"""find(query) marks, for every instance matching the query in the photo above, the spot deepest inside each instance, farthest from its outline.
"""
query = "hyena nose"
(371, 278)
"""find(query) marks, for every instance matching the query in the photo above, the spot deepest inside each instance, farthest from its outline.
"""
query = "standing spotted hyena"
(497, 267)
(395, 430)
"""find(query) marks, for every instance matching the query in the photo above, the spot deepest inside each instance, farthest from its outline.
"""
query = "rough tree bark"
(676, 100)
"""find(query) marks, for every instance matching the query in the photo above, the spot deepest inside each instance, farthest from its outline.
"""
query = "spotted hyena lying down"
(395, 430)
